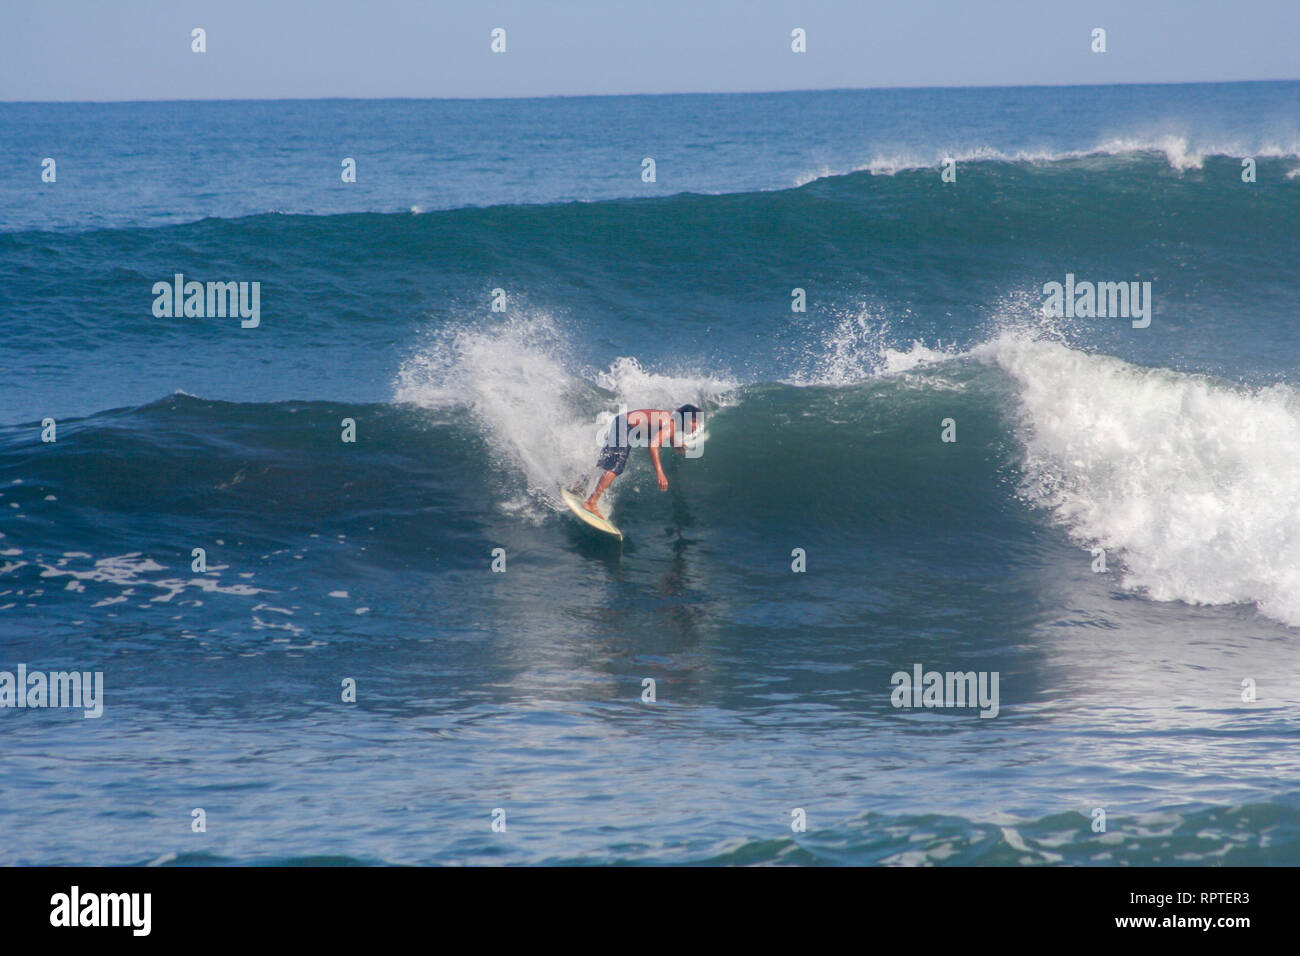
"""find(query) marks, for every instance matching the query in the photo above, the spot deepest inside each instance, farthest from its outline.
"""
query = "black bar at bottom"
(328, 905)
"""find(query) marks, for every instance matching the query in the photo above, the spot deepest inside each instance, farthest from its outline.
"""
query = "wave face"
(1178, 477)
(200, 529)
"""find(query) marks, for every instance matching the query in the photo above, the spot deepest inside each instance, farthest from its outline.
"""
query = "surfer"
(652, 427)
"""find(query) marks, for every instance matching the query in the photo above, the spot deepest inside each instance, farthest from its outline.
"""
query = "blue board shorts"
(613, 457)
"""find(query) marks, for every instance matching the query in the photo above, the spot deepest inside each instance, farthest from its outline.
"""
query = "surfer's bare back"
(651, 427)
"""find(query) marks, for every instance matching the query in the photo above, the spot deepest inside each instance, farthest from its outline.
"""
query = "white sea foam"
(131, 572)
(1194, 484)
(1191, 485)
(1180, 153)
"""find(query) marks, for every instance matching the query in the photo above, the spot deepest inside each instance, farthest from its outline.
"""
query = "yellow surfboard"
(600, 524)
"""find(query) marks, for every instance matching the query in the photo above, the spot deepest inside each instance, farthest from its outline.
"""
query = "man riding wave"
(652, 427)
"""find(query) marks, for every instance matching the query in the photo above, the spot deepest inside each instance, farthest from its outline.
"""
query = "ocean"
(401, 648)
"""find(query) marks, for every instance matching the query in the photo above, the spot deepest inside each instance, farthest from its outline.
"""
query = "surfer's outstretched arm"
(659, 468)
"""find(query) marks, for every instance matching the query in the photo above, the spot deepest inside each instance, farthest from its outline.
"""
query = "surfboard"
(600, 524)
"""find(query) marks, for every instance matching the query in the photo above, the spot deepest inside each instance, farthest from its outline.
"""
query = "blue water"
(1174, 448)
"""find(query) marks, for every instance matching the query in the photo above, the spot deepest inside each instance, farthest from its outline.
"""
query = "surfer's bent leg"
(605, 481)
(613, 458)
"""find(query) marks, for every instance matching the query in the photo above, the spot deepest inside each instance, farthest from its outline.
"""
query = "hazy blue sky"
(140, 49)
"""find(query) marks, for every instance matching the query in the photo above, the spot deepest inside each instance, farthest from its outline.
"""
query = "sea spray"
(542, 414)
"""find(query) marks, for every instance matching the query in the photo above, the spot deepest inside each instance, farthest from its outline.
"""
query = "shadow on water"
(595, 545)
(675, 580)
(679, 611)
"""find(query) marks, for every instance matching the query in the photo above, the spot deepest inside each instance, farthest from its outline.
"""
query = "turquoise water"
(1173, 448)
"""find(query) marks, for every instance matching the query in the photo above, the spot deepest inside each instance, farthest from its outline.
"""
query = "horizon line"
(554, 96)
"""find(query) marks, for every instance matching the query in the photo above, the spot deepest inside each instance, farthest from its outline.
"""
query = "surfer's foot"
(592, 508)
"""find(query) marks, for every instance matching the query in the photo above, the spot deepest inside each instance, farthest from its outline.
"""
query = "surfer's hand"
(663, 481)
